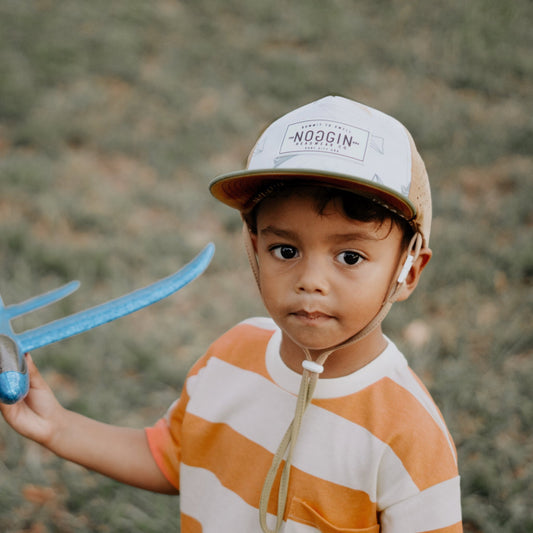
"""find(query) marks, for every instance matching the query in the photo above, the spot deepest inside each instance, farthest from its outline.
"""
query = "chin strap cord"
(307, 387)
(250, 252)
(311, 371)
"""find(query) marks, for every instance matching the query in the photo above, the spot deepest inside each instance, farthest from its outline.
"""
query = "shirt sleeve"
(165, 437)
(436, 509)
(164, 440)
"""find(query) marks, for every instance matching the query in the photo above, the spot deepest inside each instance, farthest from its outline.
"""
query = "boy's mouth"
(310, 316)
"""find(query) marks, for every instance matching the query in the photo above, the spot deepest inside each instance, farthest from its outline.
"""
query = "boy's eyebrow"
(356, 236)
(278, 232)
(340, 237)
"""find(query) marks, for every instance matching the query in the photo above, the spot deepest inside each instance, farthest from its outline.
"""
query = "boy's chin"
(314, 342)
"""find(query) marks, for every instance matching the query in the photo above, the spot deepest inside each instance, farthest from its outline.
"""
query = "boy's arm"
(120, 453)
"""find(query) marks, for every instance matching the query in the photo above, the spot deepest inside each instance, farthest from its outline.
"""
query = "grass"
(115, 117)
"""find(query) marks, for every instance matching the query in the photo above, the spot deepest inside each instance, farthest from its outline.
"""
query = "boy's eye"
(349, 257)
(284, 252)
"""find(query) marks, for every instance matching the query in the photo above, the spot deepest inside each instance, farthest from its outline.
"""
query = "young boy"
(311, 420)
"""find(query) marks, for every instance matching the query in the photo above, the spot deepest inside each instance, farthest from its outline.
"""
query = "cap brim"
(243, 189)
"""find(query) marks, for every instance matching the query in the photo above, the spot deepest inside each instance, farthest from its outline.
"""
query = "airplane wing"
(14, 310)
(124, 305)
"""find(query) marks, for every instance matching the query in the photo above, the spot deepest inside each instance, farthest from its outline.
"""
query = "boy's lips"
(310, 316)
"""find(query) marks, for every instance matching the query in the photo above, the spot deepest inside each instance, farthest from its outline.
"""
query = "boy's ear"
(413, 276)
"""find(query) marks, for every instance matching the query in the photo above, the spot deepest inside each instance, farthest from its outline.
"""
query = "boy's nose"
(311, 278)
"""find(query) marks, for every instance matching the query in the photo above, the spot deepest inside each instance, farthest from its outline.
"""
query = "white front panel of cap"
(340, 136)
(325, 136)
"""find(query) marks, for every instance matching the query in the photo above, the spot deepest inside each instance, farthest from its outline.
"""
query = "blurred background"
(115, 116)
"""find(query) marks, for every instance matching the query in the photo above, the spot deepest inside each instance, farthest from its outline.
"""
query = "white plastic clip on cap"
(312, 366)
(406, 268)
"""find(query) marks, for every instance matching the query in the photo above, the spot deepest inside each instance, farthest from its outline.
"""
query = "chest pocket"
(301, 512)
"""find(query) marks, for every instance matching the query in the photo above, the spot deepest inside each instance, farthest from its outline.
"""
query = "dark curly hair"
(354, 206)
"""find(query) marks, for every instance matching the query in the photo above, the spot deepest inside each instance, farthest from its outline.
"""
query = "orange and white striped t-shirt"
(373, 452)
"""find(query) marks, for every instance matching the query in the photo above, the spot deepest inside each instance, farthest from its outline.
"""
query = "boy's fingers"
(30, 363)
(32, 369)
(36, 380)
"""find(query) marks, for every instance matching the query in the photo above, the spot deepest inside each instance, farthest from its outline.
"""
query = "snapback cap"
(340, 143)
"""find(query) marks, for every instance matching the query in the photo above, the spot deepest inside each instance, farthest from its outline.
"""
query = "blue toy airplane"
(14, 381)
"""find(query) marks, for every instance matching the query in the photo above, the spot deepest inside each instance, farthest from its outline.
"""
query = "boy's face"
(323, 277)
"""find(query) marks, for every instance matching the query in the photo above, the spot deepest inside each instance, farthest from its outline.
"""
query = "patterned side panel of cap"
(420, 192)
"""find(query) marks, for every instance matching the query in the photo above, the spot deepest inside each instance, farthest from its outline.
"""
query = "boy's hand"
(120, 453)
(34, 416)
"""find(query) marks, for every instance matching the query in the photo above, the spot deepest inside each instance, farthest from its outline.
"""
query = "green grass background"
(114, 117)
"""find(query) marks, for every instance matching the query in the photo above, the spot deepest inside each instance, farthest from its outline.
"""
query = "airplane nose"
(13, 386)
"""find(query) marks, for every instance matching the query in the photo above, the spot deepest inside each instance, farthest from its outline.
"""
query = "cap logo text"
(325, 136)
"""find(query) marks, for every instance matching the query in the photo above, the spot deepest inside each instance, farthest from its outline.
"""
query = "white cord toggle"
(313, 367)
(406, 268)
